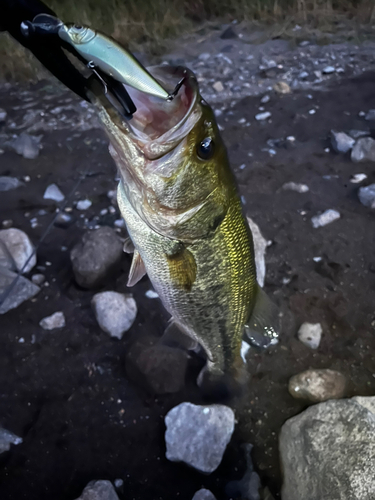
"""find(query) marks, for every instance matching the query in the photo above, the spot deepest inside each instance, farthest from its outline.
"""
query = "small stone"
(282, 88)
(370, 115)
(341, 142)
(304, 43)
(357, 178)
(25, 145)
(205, 56)
(63, 220)
(310, 334)
(328, 70)
(119, 223)
(363, 150)
(262, 116)
(38, 279)
(366, 195)
(312, 112)
(151, 294)
(303, 75)
(3, 115)
(99, 490)
(218, 86)
(96, 256)
(228, 34)
(203, 494)
(294, 186)
(7, 223)
(260, 245)
(325, 218)
(7, 438)
(198, 435)
(318, 74)
(119, 483)
(317, 385)
(83, 204)
(357, 134)
(20, 248)
(8, 183)
(56, 320)
(22, 289)
(266, 98)
(53, 193)
(115, 312)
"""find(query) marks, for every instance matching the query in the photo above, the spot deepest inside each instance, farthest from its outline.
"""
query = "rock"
(282, 88)
(198, 435)
(260, 245)
(6, 439)
(115, 312)
(14, 291)
(366, 195)
(293, 186)
(99, 490)
(228, 34)
(7, 223)
(357, 178)
(3, 115)
(25, 145)
(248, 487)
(20, 248)
(357, 134)
(303, 75)
(8, 183)
(203, 494)
(53, 193)
(205, 56)
(328, 451)
(218, 86)
(151, 294)
(363, 150)
(370, 115)
(38, 279)
(328, 70)
(325, 218)
(56, 320)
(341, 142)
(83, 204)
(63, 220)
(263, 116)
(310, 334)
(266, 98)
(317, 385)
(96, 256)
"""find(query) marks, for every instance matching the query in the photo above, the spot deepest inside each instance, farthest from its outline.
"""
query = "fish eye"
(205, 149)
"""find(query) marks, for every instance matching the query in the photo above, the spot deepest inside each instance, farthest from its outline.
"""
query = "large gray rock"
(96, 256)
(13, 293)
(328, 451)
(115, 312)
(99, 490)
(198, 435)
(7, 438)
(363, 150)
(20, 248)
(317, 385)
(341, 142)
(366, 195)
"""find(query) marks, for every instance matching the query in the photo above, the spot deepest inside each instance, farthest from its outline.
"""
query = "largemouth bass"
(183, 213)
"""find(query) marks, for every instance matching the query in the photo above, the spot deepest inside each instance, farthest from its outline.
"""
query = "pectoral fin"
(137, 269)
(174, 336)
(262, 328)
(182, 268)
(128, 245)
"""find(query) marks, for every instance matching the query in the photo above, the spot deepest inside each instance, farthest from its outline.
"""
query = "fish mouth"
(159, 125)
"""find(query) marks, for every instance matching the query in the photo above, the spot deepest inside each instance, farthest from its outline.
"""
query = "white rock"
(3, 115)
(317, 385)
(16, 289)
(363, 150)
(205, 56)
(310, 334)
(8, 183)
(151, 294)
(99, 490)
(218, 86)
(370, 115)
(20, 248)
(341, 142)
(38, 279)
(294, 186)
(260, 245)
(203, 494)
(115, 312)
(26, 145)
(56, 320)
(83, 204)
(367, 195)
(53, 193)
(328, 451)
(7, 438)
(325, 218)
(266, 98)
(263, 116)
(198, 435)
(328, 70)
(357, 178)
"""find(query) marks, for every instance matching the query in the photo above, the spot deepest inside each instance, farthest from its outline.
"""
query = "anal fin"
(262, 328)
(175, 337)
(137, 269)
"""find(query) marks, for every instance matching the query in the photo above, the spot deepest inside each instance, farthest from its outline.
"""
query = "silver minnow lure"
(107, 55)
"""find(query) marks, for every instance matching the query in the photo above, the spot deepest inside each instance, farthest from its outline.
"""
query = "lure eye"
(205, 149)
(78, 27)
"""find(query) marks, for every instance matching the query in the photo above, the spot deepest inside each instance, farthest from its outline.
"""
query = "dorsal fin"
(137, 269)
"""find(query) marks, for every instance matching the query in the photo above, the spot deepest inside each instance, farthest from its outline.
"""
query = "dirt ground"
(66, 392)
